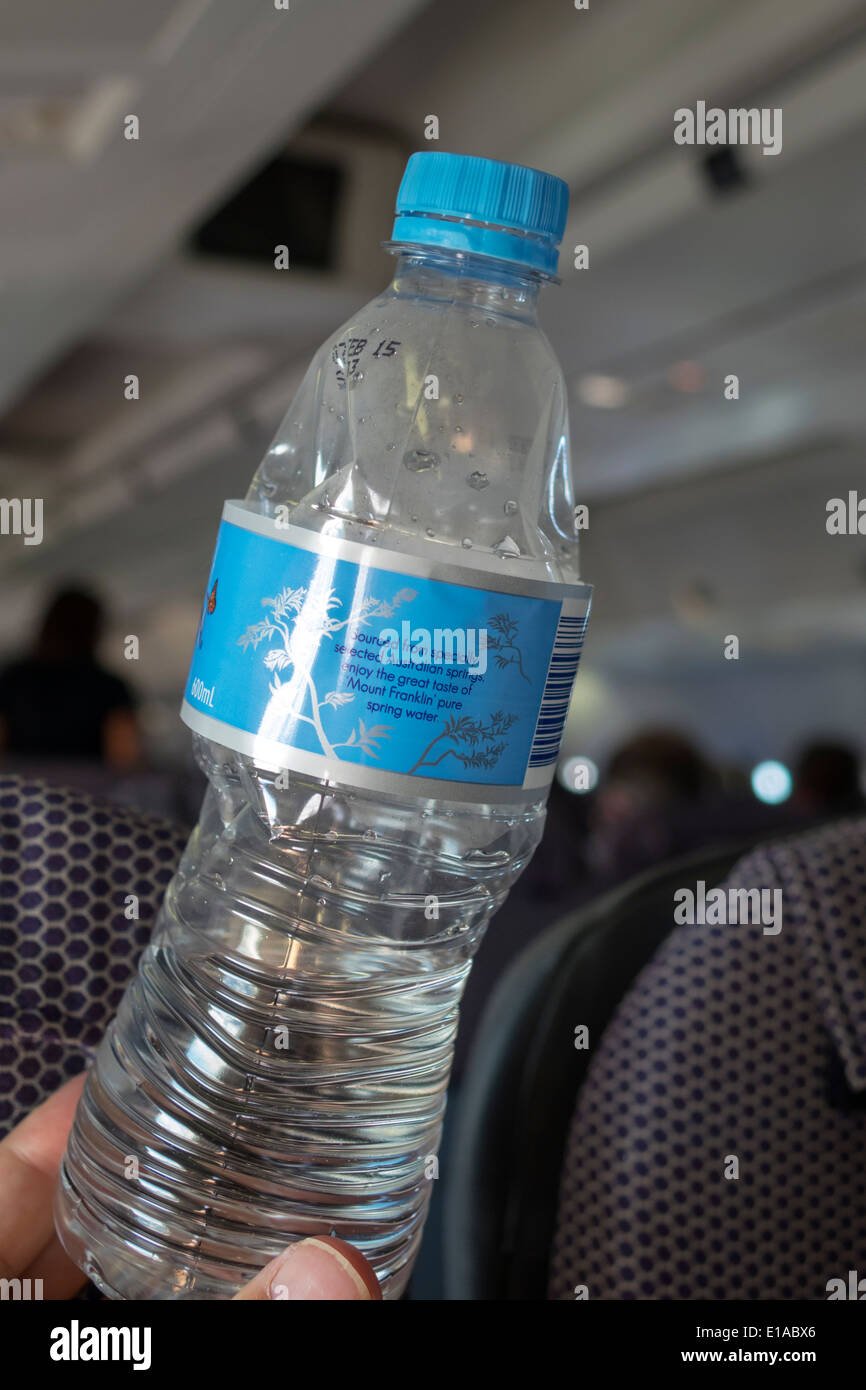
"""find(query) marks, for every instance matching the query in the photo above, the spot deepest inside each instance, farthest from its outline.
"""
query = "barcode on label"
(567, 647)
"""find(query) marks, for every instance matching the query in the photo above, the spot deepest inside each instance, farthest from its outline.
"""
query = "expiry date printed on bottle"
(346, 354)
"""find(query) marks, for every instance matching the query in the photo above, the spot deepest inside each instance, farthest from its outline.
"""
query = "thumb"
(318, 1268)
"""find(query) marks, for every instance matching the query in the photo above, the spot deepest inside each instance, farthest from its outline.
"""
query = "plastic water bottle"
(388, 641)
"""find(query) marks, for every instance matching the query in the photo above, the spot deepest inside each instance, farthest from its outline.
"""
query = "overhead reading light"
(578, 774)
(687, 376)
(75, 124)
(602, 392)
(771, 782)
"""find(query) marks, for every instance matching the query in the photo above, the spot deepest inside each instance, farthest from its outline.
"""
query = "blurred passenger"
(59, 702)
(827, 780)
(661, 799)
(653, 783)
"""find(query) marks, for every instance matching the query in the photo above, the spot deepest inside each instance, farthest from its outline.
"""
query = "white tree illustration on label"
(301, 618)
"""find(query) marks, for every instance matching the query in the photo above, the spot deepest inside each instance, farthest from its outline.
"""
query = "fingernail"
(315, 1269)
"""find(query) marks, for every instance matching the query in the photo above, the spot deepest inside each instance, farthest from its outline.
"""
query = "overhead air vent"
(724, 170)
(327, 197)
(290, 202)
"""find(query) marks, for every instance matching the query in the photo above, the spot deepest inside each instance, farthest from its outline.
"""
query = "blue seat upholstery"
(80, 884)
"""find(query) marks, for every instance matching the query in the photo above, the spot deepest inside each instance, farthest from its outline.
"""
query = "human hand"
(30, 1156)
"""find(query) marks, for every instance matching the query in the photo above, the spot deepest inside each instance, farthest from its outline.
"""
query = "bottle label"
(378, 670)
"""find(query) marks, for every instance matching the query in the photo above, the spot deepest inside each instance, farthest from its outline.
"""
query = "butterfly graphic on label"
(209, 606)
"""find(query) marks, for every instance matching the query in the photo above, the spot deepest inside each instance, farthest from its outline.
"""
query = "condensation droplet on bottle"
(390, 447)
(370, 835)
(359, 376)
(267, 489)
(430, 532)
(474, 323)
(458, 429)
(458, 400)
(507, 548)
(362, 419)
(413, 518)
(420, 460)
(490, 322)
(467, 544)
(330, 410)
(478, 480)
(510, 508)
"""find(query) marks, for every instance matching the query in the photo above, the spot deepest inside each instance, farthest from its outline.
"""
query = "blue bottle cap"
(482, 206)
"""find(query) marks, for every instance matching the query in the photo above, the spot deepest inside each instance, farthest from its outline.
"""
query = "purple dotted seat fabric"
(68, 865)
(737, 1043)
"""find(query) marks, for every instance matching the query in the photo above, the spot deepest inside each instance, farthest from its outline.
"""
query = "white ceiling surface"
(684, 489)
(214, 83)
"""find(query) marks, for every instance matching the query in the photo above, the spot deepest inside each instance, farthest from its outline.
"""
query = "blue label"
(323, 656)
